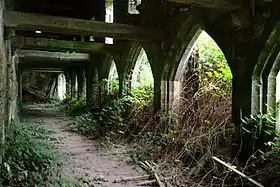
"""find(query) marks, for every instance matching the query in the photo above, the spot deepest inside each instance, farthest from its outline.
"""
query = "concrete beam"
(46, 70)
(48, 65)
(71, 26)
(216, 4)
(52, 56)
(20, 42)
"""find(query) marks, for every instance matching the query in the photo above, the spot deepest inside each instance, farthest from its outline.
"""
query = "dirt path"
(94, 165)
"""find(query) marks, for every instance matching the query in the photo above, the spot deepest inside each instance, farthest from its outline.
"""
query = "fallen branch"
(155, 174)
(145, 183)
(127, 179)
(149, 182)
(238, 172)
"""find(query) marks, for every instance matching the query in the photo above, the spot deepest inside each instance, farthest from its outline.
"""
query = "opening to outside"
(109, 18)
(142, 82)
(113, 79)
(132, 6)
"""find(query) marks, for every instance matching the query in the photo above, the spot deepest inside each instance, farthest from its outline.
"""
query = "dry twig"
(238, 172)
(135, 178)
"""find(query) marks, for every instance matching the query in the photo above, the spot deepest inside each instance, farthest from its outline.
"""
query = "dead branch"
(155, 174)
(238, 172)
(135, 178)
(145, 183)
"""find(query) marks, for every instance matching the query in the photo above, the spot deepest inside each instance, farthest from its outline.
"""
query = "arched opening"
(203, 66)
(113, 79)
(142, 81)
(202, 107)
(265, 80)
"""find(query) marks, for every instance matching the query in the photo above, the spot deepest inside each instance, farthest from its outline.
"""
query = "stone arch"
(262, 70)
(137, 66)
(165, 58)
(186, 55)
(125, 55)
(112, 70)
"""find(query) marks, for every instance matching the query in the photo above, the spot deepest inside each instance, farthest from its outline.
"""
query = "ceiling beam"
(216, 4)
(46, 70)
(52, 56)
(26, 64)
(46, 44)
(71, 26)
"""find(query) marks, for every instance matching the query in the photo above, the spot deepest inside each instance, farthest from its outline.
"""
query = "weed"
(30, 159)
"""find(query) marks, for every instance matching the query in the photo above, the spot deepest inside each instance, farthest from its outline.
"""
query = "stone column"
(96, 89)
(89, 83)
(67, 84)
(81, 83)
(19, 82)
(3, 81)
(12, 88)
(12, 61)
(73, 75)
(61, 86)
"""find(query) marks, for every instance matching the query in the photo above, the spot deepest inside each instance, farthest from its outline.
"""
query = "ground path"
(94, 165)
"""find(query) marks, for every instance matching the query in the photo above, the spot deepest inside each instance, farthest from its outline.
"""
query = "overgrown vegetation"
(30, 159)
(183, 142)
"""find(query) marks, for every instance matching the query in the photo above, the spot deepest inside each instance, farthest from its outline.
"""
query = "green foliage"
(30, 159)
(214, 69)
(144, 74)
(258, 132)
(73, 107)
(112, 85)
(143, 94)
(143, 91)
(109, 119)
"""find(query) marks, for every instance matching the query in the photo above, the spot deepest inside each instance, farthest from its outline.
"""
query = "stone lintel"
(71, 26)
(52, 56)
(21, 42)
(44, 70)
(48, 65)
(216, 4)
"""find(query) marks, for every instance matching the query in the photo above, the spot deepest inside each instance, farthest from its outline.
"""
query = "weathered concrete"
(3, 81)
(33, 64)
(68, 84)
(81, 78)
(217, 4)
(89, 83)
(20, 42)
(61, 86)
(53, 24)
(74, 85)
(125, 59)
(12, 86)
(37, 55)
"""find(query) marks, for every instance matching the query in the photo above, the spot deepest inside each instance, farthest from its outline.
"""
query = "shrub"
(72, 107)
(100, 123)
(30, 159)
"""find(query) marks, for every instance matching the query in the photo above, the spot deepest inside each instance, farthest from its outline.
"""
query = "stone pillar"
(67, 84)
(278, 102)
(124, 83)
(256, 95)
(3, 81)
(12, 88)
(61, 86)
(81, 83)
(89, 83)
(73, 75)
